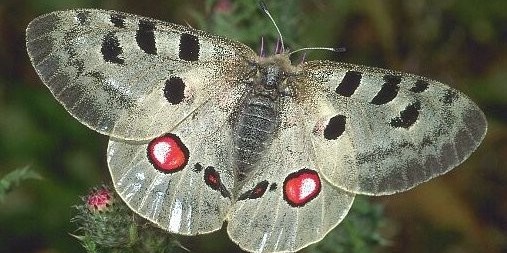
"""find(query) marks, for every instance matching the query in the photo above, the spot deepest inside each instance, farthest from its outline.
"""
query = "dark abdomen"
(255, 126)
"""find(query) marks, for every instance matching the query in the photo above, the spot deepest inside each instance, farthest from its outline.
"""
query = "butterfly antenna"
(264, 8)
(338, 50)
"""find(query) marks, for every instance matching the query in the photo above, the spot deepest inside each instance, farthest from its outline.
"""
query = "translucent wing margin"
(379, 132)
(128, 76)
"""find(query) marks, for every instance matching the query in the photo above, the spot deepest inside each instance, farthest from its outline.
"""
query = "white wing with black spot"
(128, 76)
(183, 180)
(379, 132)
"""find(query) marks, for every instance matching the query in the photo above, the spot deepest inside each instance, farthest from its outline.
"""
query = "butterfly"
(203, 130)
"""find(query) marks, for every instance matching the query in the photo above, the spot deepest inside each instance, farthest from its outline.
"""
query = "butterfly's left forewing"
(129, 76)
(379, 132)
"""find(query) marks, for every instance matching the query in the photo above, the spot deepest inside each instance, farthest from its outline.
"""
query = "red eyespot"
(301, 187)
(167, 153)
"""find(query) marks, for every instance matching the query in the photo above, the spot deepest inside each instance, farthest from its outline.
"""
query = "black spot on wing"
(174, 90)
(118, 20)
(145, 37)
(83, 17)
(388, 91)
(256, 192)
(419, 86)
(335, 127)
(450, 96)
(189, 47)
(213, 180)
(198, 167)
(349, 83)
(408, 116)
(111, 49)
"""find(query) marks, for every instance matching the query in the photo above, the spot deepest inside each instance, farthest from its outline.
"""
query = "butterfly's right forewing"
(127, 76)
(379, 132)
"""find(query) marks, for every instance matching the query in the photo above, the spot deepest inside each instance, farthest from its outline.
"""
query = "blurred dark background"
(460, 42)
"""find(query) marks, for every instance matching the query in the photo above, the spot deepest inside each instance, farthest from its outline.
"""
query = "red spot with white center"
(167, 153)
(301, 187)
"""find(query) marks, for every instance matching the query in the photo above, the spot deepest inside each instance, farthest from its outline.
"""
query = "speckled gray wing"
(128, 76)
(379, 132)
(181, 180)
(286, 204)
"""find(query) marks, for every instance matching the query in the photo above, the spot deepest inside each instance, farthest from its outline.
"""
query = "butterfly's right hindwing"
(286, 203)
(128, 76)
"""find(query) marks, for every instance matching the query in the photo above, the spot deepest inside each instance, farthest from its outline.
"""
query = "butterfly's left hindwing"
(182, 180)
(128, 76)
(378, 131)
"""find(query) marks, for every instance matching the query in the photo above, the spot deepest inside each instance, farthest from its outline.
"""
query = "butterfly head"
(272, 75)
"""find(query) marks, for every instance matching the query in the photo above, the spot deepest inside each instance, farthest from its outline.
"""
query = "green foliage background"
(459, 42)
